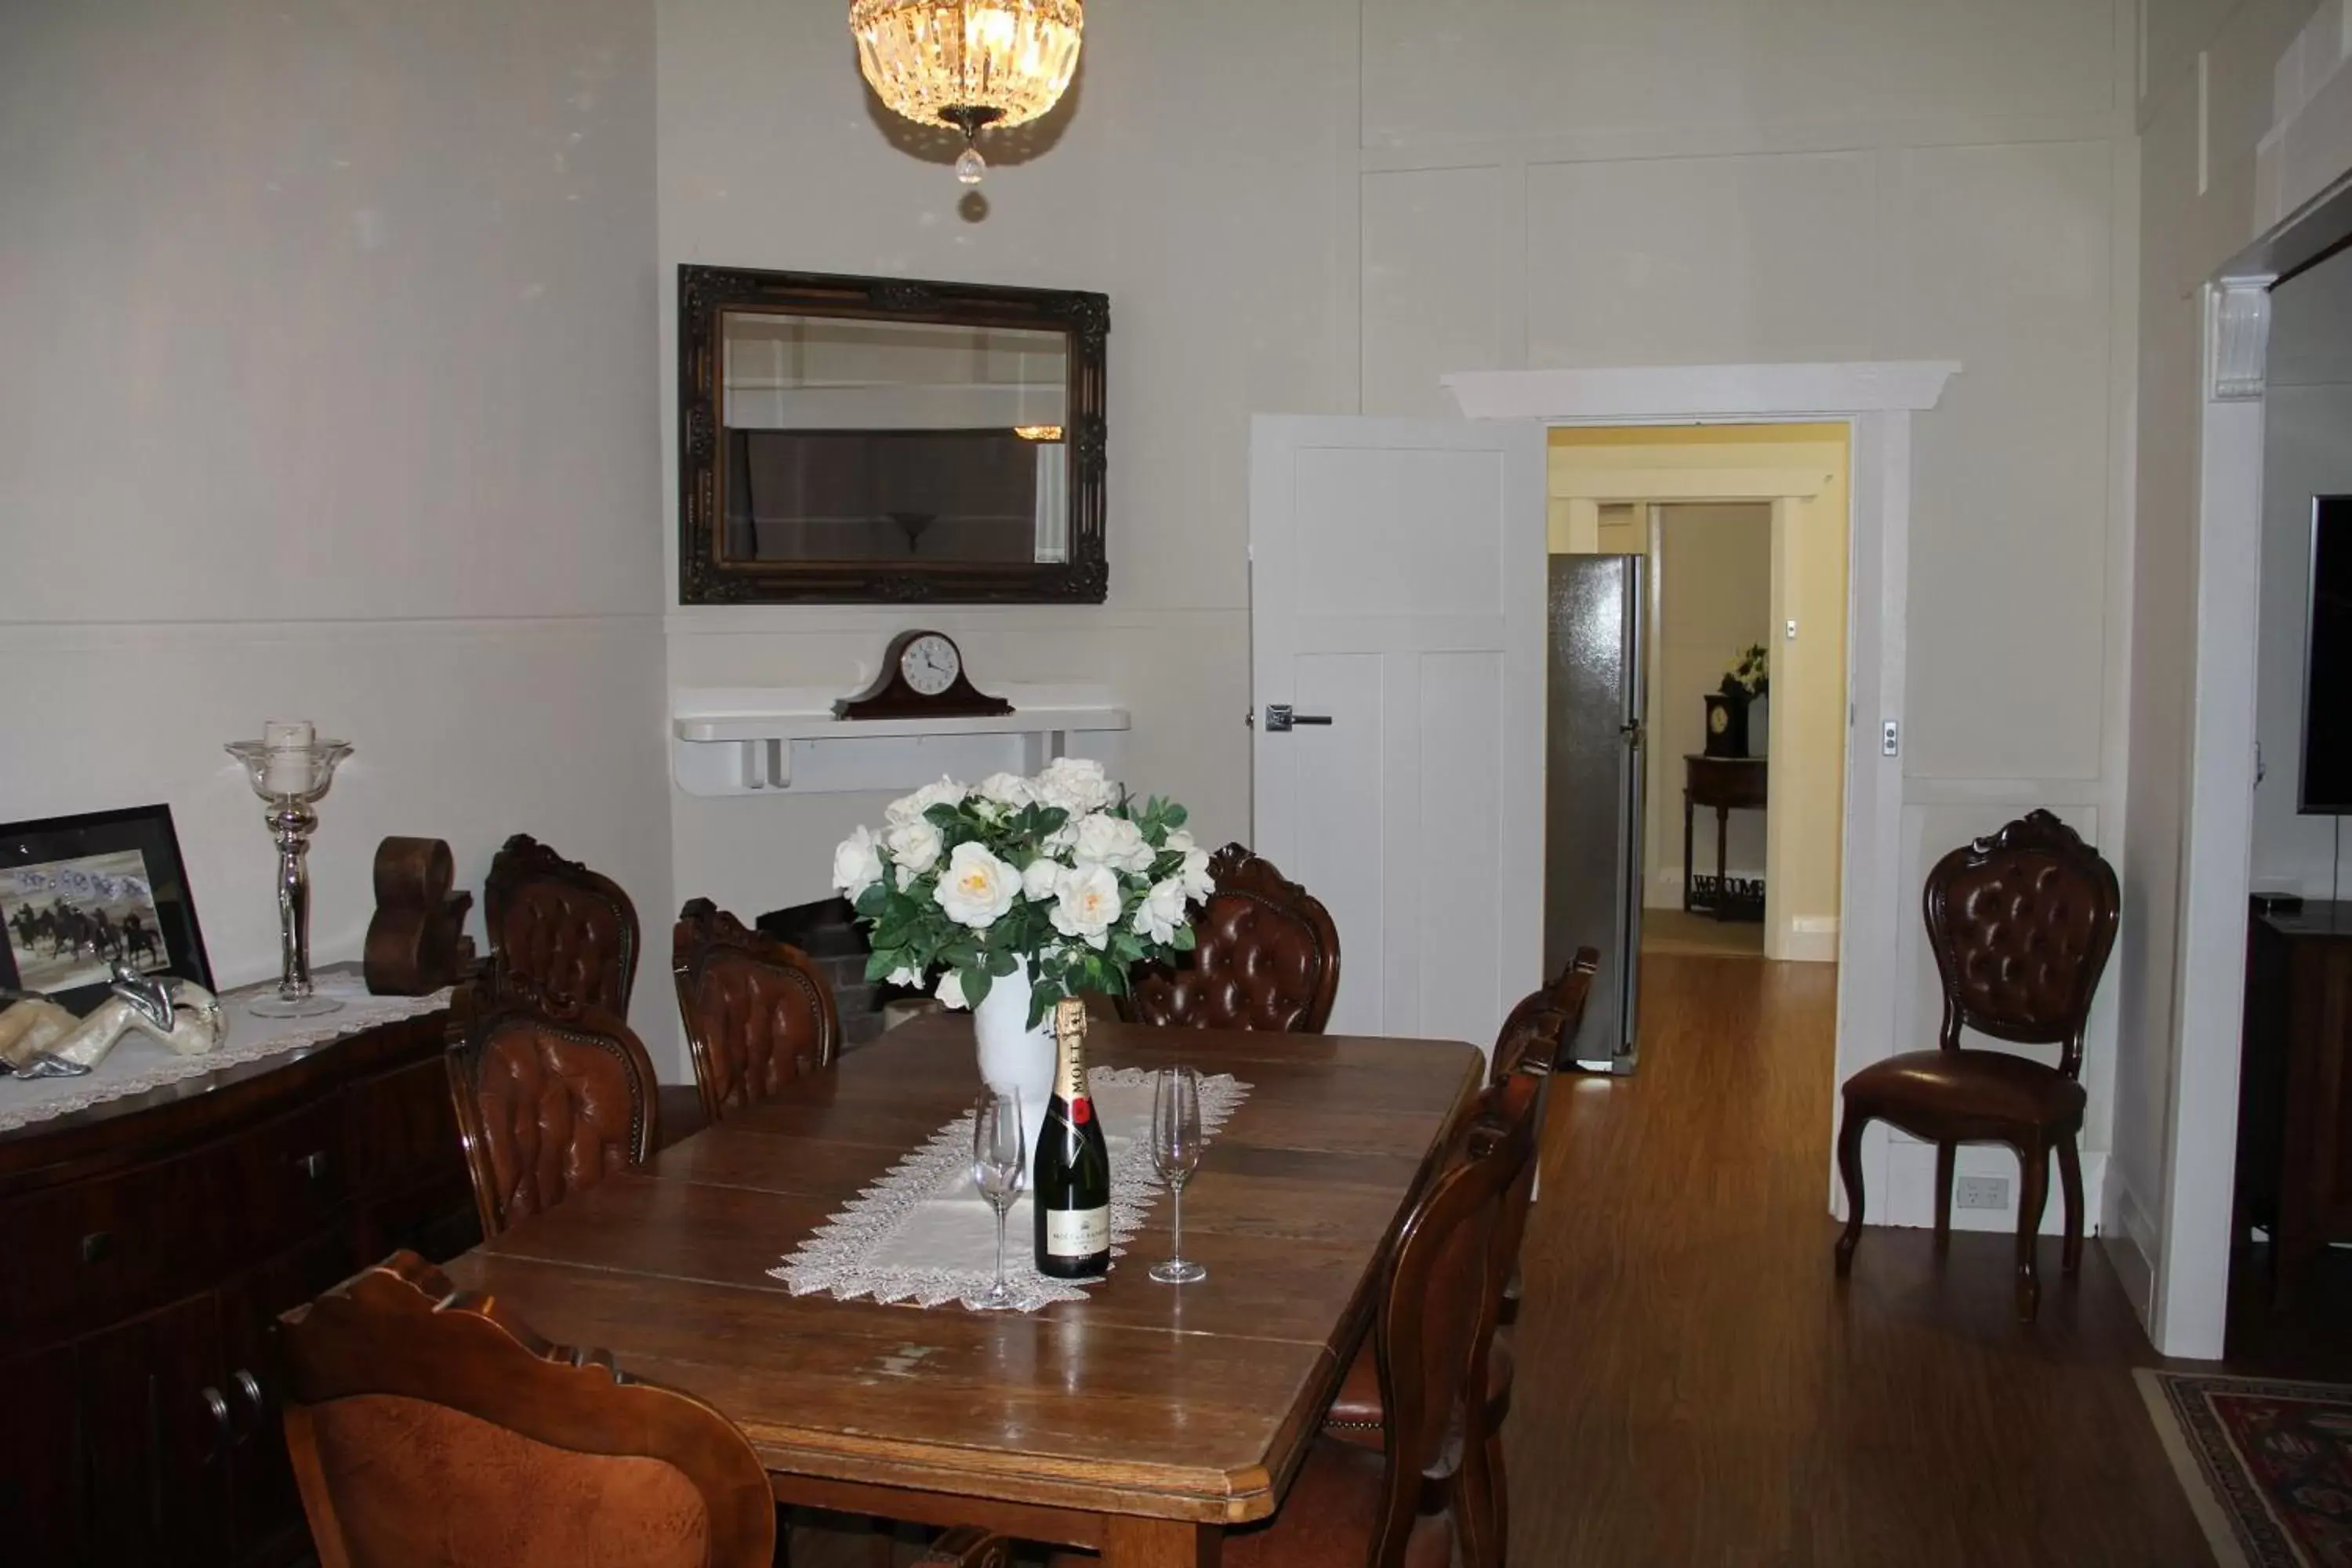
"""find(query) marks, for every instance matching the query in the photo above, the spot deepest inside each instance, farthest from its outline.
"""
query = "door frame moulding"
(1876, 400)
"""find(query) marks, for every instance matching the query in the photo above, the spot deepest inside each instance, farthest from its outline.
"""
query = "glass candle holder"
(291, 780)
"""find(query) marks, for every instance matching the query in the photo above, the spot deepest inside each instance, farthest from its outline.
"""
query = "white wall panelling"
(288, 290)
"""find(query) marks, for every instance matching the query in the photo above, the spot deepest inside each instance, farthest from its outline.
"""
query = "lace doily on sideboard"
(924, 1234)
(137, 1064)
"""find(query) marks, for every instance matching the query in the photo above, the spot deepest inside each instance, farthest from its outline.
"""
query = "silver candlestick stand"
(292, 779)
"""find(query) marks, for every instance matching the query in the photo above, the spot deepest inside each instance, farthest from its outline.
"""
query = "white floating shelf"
(786, 741)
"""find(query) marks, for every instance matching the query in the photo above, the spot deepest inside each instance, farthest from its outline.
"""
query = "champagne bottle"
(1070, 1178)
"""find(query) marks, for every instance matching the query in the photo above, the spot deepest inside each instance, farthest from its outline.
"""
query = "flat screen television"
(2326, 788)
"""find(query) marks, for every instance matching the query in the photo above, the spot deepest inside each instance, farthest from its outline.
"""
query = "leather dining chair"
(552, 1096)
(1266, 956)
(1476, 1489)
(430, 1428)
(2021, 924)
(559, 928)
(758, 1016)
(1364, 1505)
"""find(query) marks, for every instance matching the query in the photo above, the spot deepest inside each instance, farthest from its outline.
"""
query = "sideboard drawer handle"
(97, 1246)
(314, 1164)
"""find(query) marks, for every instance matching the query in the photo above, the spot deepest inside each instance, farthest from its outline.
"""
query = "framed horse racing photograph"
(79, 894)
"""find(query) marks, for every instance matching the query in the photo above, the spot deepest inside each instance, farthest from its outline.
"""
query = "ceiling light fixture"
(968, 64)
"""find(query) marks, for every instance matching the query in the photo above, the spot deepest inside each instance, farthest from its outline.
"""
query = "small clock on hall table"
(922, 678)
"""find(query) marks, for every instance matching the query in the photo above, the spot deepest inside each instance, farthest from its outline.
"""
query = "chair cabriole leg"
(2070, 1182)
(1850, 1172)
(2033, 1197)
(1944, 1162)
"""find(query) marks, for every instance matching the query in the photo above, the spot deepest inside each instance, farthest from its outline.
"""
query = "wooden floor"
(1680, 932)
(1695, 1388)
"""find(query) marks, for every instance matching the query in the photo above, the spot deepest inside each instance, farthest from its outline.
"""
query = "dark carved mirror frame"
(705, 576)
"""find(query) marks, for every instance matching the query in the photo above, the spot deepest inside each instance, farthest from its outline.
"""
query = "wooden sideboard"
(2295, 1087)
(147, 1245)
(1727, 785)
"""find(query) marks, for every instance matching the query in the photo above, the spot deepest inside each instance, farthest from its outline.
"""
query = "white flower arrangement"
(1062, 873)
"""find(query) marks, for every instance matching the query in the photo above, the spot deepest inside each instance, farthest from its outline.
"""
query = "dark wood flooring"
(1696, 1387)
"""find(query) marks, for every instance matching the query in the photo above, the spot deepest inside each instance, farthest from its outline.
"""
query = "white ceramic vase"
(1014, 1057)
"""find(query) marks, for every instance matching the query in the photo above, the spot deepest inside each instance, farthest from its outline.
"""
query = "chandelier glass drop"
(968, 64)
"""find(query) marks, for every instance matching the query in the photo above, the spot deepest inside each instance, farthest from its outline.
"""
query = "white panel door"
(1397, 590)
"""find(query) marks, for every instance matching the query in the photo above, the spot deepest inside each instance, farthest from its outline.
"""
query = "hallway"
(1695, 1387)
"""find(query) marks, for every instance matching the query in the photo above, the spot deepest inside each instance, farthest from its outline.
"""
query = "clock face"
(930, 664)
(1718, 720)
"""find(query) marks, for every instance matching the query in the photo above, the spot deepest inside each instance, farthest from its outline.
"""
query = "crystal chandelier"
(968, 64)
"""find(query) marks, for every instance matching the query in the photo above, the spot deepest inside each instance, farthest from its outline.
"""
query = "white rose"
(1113, 841)
(1179, 841)
(1198, 883)
(1009, 790)
(977, 887)
(905, 975)
(1161, 911)
(950, 991)
(857, 863)
(1076, 785)
(1089, 904)
(910, 808)
(914, 845)
(1042, 880)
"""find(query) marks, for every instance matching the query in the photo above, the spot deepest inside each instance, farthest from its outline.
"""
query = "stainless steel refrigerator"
(1595, 758)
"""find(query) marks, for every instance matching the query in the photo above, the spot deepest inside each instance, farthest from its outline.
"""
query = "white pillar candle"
(287, 770)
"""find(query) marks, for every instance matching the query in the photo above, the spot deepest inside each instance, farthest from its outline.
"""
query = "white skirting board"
(1907, 1195)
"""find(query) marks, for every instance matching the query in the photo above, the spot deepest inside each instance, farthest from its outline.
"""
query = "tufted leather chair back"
(558, 929)
(1443, 1294)
(759, 1016)
(551, 1098)
(431, 1429)
(1266, 956)
(2022, 924)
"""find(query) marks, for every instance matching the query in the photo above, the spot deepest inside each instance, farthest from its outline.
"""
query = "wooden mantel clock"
(922, 678)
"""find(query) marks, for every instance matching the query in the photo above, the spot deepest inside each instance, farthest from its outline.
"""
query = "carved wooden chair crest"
(758, 1012)
(551, 1097)
(1267, 956)
(558, 929)
(430, 1429)
(2021, 924)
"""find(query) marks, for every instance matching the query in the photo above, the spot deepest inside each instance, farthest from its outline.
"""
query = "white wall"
(2205, 92)
(2306, 452)
(1703, 181)
(287, 291)
(1190, 180)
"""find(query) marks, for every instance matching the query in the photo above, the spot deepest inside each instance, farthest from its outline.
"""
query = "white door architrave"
(1876, 399)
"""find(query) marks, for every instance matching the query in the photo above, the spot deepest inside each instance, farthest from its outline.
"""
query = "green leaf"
(975, 982)
(1182, 942)
(1003, 964)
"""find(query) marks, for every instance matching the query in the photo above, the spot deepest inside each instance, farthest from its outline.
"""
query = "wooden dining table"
(1139, 1422)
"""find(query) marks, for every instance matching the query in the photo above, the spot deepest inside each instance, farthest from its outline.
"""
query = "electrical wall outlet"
(1980, 1192)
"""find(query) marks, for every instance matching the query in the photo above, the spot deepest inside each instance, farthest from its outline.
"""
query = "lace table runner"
(924, 1232)
(137, 1064)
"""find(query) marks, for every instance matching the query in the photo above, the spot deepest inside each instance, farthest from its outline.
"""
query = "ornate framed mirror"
(858, 441)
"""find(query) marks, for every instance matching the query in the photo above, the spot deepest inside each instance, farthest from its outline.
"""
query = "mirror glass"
(892, 441)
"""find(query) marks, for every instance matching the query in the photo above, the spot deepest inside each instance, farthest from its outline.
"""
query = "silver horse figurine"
(181, 1015)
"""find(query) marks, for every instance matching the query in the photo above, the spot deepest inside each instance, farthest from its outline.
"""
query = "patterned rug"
(2267, 1465)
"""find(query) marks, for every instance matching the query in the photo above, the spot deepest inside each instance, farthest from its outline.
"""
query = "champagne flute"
(1176, 1150)
(999, 1169)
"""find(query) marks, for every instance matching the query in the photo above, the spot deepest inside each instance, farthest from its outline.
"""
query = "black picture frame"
(706, 574)
(85, 855)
